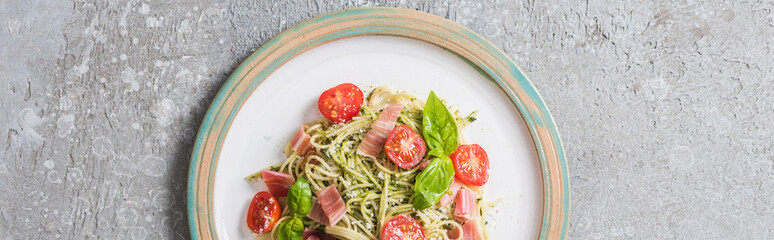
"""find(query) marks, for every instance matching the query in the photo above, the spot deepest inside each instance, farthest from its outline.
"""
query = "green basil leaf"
(433, 182)
(300, 197)
(439, 127)
(292, 229)
(438, 152)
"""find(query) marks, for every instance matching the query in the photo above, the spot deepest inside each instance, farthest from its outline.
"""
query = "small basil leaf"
(421, 202)
(292, 229)
(439, 127)
(433, 182)
(438, 152)
(300, 197)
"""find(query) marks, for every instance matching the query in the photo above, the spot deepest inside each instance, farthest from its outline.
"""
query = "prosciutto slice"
(470, 232)
(332, 204)
(448, 198)
(277, 182)
(465, 210)
(318, 215)
(301, 142)
(374, 140)
(311, 234)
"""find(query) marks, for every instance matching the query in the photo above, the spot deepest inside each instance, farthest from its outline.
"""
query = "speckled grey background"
(665, 108)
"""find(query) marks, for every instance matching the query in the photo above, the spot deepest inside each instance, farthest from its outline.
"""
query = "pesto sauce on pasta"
(373, 191)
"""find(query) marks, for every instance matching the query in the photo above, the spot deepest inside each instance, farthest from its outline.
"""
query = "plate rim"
(453, 37)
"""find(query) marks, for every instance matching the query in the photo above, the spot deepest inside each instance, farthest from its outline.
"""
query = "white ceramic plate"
(275, 90)
(288, 98)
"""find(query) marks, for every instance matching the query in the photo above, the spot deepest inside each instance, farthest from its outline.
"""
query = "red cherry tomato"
(263, 213)
(402, 228)
(341, 103)
(404, 147)
(471, 165)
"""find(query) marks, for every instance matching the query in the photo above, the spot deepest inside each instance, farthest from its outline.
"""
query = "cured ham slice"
(470, 231)
(301, 142)
(318, 215)
(465, 210)
(374, 140)
(453, 189)
(311, 234)
(332, 204)
(277, 182)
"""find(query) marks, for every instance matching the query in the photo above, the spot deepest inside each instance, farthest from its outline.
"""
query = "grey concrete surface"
(665, 107)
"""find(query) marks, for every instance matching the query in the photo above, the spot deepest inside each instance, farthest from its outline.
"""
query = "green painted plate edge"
(383, 14)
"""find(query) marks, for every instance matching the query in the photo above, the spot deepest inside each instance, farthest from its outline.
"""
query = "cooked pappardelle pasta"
(387, 166)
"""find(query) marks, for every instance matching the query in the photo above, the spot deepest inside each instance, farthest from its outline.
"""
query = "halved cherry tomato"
(471, 164)
(401, 228)
(404, 147)
(341, 103)
(263, 213)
